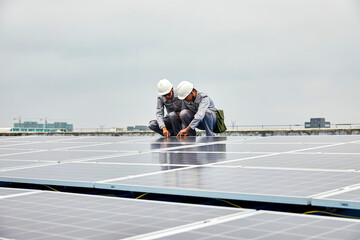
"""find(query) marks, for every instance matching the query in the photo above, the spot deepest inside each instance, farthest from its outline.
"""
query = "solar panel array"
(318, 170)
(30, 214)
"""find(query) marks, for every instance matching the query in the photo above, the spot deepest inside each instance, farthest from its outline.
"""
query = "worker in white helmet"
(198, 110)
(169, 124)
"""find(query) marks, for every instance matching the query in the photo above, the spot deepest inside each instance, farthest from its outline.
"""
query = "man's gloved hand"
(166, 133)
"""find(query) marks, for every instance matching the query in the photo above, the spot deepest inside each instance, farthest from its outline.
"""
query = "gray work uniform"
(199, 114)
(171, 120)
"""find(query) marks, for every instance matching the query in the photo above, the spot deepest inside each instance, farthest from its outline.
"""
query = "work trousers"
(207, 123)
(172, 123)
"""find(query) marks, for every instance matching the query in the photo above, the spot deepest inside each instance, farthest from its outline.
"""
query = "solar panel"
(176, 158)
(38, 145)
(76, 174)
(29, 214)
(128, 147)
(270, 185)
(250, 147)
(301, 161)
(274, 226)
(341, 148)
(324, 139)
(288, 169)
(10, 164)
(6, 192)
(7, 152)
(51, 215)
(58, 156)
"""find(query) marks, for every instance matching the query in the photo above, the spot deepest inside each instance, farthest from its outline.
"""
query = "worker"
(198, 110)
(169, 124)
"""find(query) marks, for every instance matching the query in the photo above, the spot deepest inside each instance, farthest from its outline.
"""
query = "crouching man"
(169, 124)
(198, 110)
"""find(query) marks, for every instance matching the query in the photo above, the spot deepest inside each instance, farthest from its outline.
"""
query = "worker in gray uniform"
(169, 124)
(198, 110)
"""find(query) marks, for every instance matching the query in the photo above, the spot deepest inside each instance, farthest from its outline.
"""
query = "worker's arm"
(160, 112)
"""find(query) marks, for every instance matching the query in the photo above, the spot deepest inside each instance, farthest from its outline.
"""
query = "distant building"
(138, 128)
(317, 123)
(141, 127)
(29, 126)
(60, 125)
(116, 129)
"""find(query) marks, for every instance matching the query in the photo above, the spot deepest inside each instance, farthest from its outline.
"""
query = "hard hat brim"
(164, 93)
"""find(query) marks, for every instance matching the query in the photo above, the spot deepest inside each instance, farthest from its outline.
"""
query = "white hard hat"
(184, 89)
(164, 87)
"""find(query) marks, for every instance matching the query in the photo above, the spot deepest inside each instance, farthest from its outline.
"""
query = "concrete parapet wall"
(243, 132)
(294, 132)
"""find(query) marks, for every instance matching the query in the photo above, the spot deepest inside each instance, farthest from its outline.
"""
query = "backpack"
(220, 124)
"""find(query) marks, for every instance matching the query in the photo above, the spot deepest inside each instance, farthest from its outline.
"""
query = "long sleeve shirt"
(201, 104)
(173, 105)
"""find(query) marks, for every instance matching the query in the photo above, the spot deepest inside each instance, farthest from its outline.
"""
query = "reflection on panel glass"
(213, 153)
(189, 140)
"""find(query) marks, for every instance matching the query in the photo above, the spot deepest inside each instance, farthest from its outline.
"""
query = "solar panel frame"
(344, 198)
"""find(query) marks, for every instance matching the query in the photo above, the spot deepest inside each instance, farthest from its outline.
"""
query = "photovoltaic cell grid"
(276, 226)
(288, 169)
(281, 186)
(4, 192)
(51, 215)
(302, 160)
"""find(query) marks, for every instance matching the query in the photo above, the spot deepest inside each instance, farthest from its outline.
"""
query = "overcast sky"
(94, 62)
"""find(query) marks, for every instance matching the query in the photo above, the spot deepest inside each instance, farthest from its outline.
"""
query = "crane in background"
(233, 124)
(19, 118)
